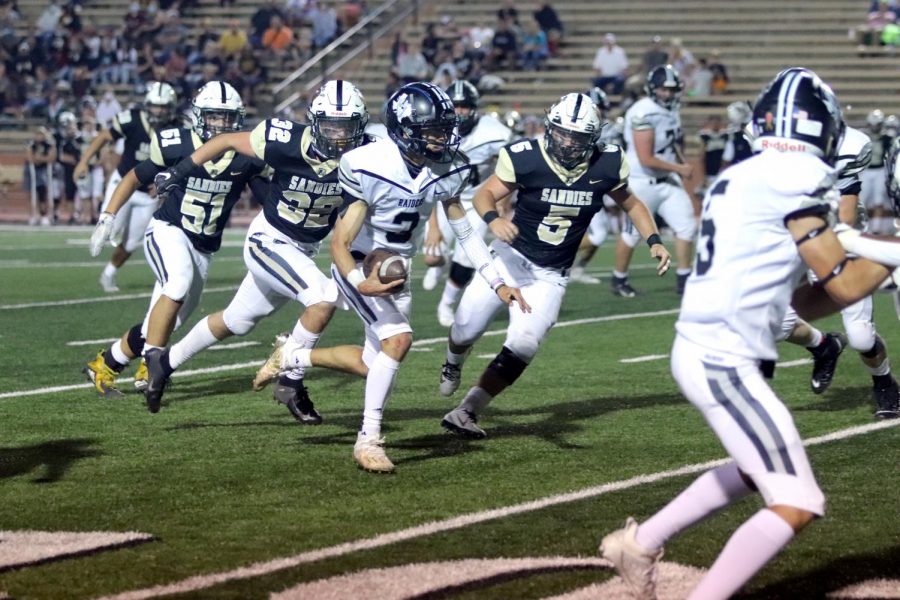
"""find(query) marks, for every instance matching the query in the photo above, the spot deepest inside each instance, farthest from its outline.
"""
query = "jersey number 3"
(706, 245)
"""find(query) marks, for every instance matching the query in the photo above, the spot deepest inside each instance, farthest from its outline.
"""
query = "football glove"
(168, 179)
(102, 232)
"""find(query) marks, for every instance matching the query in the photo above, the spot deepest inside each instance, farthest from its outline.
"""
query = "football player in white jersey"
(654, 141)
(853, 156)
(136, 128)
(299, 211)
(482, 138)
(561, 184)
(764, 222)
(874, 192)
(395, 182)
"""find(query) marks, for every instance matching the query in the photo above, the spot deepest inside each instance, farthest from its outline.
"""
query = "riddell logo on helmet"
(783, 145)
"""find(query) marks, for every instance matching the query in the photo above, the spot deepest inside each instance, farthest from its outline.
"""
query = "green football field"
(226, 496)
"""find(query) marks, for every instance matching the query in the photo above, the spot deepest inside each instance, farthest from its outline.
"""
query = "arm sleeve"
(477, 251)
(504, 169)
(146, 170)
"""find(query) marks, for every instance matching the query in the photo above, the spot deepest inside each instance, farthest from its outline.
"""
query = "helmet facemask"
(437, 142)
(213, 121)
(567, 147)
(159, 114)
(333, 136)
(468, 118)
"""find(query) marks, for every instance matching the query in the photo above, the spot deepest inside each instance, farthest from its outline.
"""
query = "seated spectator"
(680, 57)
(262, 19)
(296, 12)
(411, 65)
(478, 40)
(504, 47)
(654, 56)
(447, 32)
(323, 19)
(535, 49)
(509, 13)
(462, 59)
(720, 73)
(700, 80)
(134, 20)
(611, 66)
(107, 108)
(430, 44)
(277, 37)
(350, 13)
(251, 72)
(207, 33)
(233, 40)
(551, 25)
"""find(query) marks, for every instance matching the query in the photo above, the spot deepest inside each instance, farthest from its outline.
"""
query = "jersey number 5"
(200, 211)
(555, 226)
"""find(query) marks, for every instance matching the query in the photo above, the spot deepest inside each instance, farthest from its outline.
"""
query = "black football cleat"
(620, 287)
(158, 378)
(293, 394)
(887, 401)
(825, 359)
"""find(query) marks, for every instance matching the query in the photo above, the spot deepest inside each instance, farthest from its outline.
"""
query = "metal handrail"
(400, 16)
(321, 54)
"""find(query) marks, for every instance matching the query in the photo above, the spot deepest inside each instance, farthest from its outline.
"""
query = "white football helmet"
(573, 128)
(891, 126)
(217, 108)
(338, 117)
(160, 103)
(875, 120)
(68, 124)
(739, 114)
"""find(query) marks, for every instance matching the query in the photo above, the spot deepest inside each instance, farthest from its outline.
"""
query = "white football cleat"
(432, 278)
(108, 283)
(368, 452)
(445, 314)
(275, 365)
(450, 378)
(578, 275)
(464, 424)
(634, 563)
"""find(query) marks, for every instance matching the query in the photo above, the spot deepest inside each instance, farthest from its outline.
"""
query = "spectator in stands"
(876, 22)
(447, 33)
(252, 73)
(478, 40)
(680, 57)
(720, 73)
(611, 66)
(430, 45)
(463, 59)
(295, 12)
(49, 21)
(208, 32)
(411, 65)
(550, 24)
(134, 20)
(262, 20)
(350, 13)
(277, 38)
(700, 80)
(172, 33)
(535, 49)
(107, 108)
(654, 56)
(509, 13)
(233, 40)
(323, 19)
(504, 47)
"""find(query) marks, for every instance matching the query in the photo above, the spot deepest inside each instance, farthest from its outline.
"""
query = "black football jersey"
(202, 204)
(742, 148)
(132, 127)
(304, 197)
(555, 206)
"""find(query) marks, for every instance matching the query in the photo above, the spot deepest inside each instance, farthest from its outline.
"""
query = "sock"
(816, 338)
(457, 359)
(683, 271)
(200, 337)
(290, 380)
(451, 293)
(114, 358)
(755, 543)
(118, 355)
(580, 263)
(298, 361)
(883, 370)
(476, 400)
(307, 340)
(149, 347)
(620, 275)
(379, 382)
(110, 270)
(708, 493)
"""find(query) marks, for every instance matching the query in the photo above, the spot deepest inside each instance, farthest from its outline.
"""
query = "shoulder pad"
(855, 153)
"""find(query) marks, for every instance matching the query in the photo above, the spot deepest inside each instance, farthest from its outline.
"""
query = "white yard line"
(230, 346)
(91, 342)
(648, 357)
(110, 298)
(25, 263)
(234, 346)
(200, 582)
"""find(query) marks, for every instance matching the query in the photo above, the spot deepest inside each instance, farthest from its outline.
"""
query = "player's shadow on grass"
(844, 398)
(56, 457)
(837, 574)
(185, 390)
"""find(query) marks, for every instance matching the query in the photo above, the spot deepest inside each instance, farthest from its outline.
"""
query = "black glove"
(170, 178)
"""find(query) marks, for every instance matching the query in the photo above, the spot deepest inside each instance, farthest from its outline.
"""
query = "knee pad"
(136, 339)
(630, 235)
(178, 285)
(461, 275)
(873, 351)
(687, 232)
(508, 366)
(236, 323)
(787, 325)
(862, 338)
(523, 344)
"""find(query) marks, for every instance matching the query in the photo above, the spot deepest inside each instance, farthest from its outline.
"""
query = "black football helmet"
(421, 120)
(798, 112)
(465, 95)
(664, 77)
(598, 97)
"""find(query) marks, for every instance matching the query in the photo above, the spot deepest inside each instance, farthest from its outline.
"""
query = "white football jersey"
(377, 175)
(854, 156)
(666, 125)
(747, 263)
(481, 146)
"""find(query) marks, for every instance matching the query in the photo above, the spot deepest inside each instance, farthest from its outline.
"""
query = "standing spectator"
(233, 40)
(107, 108)
(508, 12)
(680, 57)
(550, 24)
(534, 46)
(411, 65)
(654, 56)
(701, 80)
(323, 18)
(611, 65)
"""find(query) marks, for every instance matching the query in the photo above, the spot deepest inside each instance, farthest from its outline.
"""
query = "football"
(393, 266)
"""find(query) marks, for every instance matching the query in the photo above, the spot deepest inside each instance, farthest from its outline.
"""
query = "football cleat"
(103, 378)
(578, 275)
(297, 400)
(274, 365)
(141, 376)
(157, 380)
(445, 314)
(825, 359)
(635, 564)
(887, 401)
(620, 287)
(108, 283)
(432, 278)
(463, 423)
(450, 378)
(369, 454)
